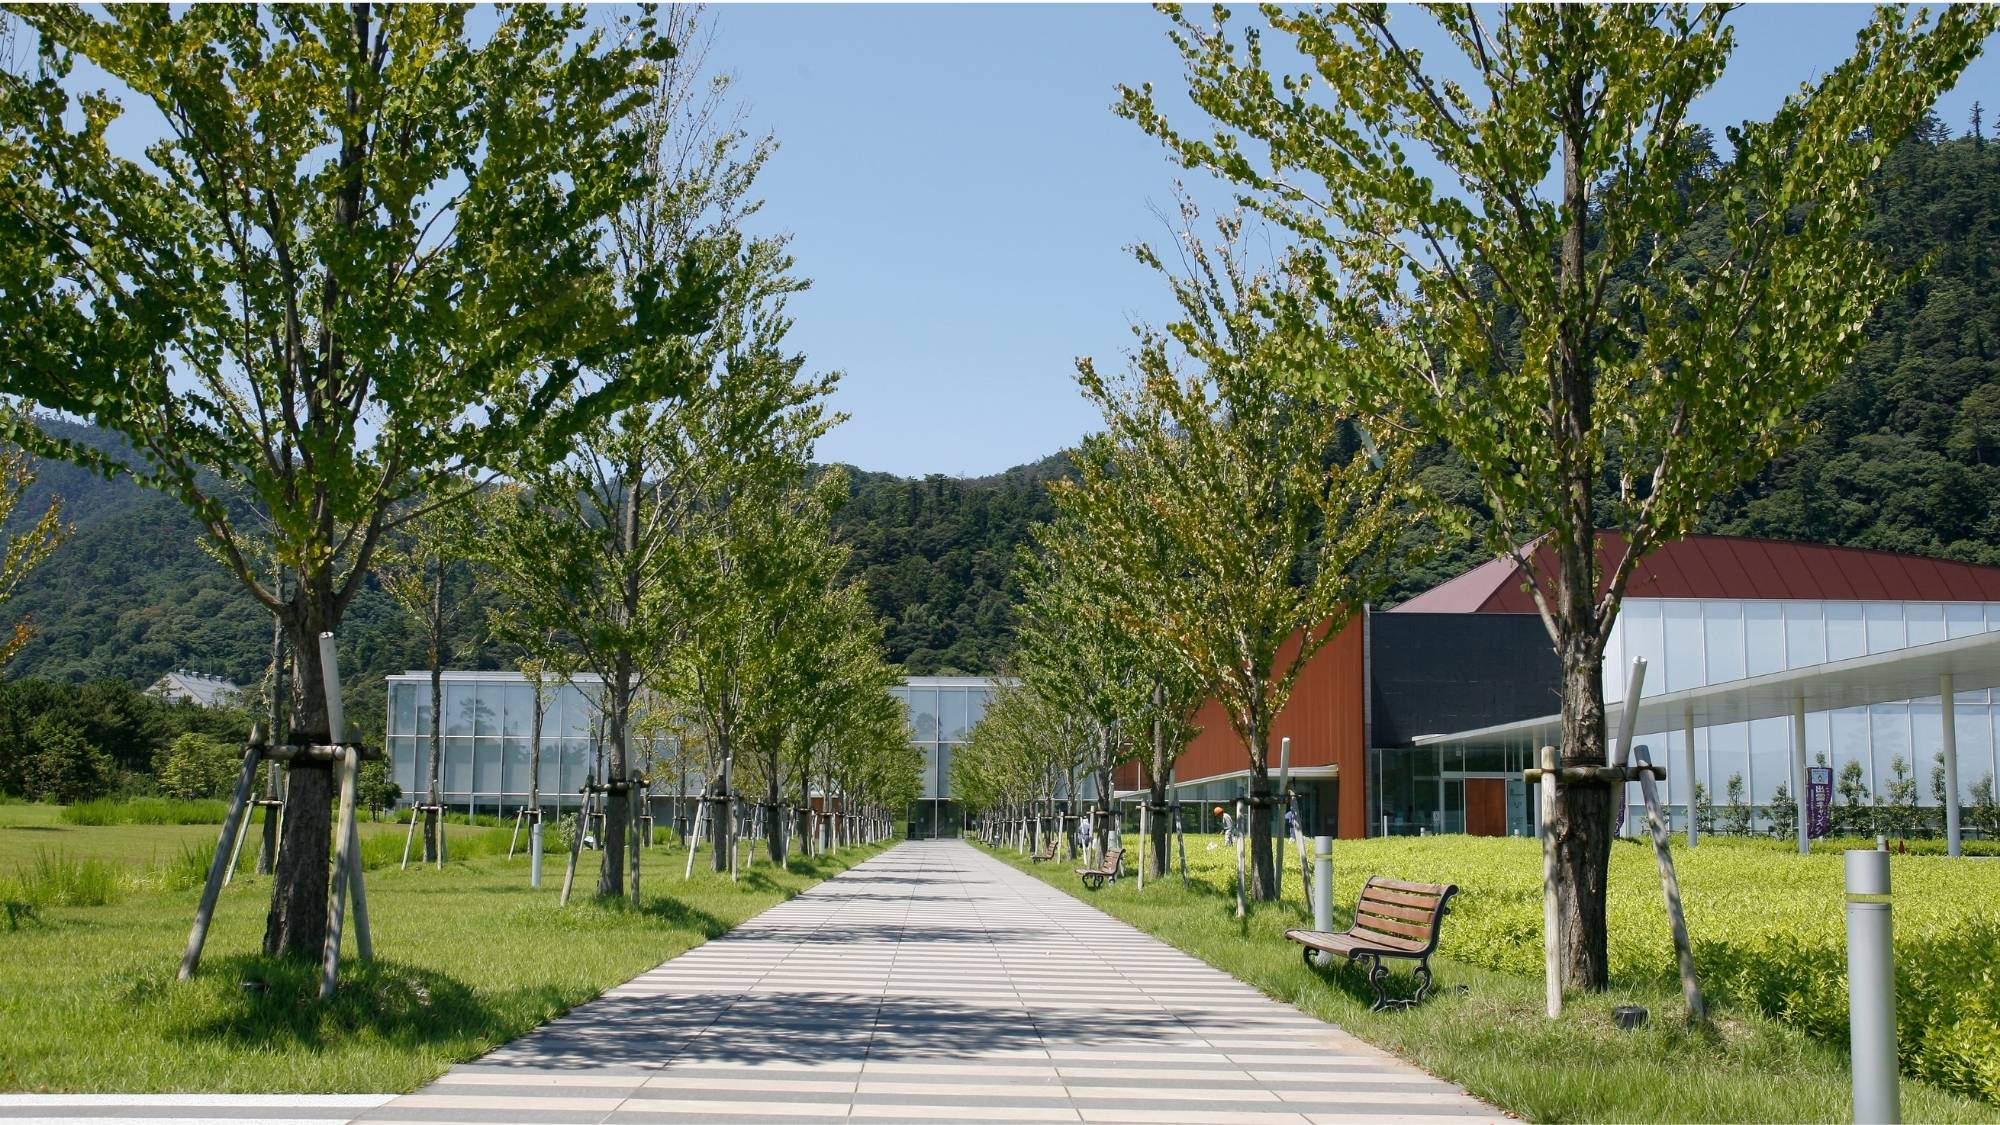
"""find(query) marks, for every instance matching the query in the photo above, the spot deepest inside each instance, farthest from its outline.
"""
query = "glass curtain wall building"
(942, 711)
(1696, 642)
(485, 728)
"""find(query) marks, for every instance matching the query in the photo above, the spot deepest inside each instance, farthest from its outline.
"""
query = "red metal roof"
(1726, 566)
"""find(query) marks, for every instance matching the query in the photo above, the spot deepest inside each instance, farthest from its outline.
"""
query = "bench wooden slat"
(1434, 890)
(1343, 942)
(1388, 926)
(1420, 902)
(1374, 905)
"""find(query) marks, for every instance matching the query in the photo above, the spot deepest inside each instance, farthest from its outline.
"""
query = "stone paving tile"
(933, 983)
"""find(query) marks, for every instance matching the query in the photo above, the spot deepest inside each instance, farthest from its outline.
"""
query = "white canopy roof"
(1884, 677)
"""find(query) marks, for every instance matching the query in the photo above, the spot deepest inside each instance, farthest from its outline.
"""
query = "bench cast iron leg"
(1377, 973)
(1424, 983)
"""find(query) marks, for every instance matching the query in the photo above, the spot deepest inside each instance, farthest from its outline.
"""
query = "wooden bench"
(1047, 854)
(1391, 919)
(1094, 877)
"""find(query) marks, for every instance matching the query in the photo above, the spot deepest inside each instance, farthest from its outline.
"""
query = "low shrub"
(1769, 930)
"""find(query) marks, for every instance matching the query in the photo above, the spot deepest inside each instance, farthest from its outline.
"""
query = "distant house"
(206, 691)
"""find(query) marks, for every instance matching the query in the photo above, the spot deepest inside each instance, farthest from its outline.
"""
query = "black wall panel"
(1434, 673)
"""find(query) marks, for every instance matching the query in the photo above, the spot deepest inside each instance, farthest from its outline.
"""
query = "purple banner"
(1819, 800)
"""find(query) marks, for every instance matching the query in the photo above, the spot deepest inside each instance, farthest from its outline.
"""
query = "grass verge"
(466, 958)
(1485, 1030)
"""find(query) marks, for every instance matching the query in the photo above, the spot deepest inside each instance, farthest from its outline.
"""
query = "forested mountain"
(1904, 454)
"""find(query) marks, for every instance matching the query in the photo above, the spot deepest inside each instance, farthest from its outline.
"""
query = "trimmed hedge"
(1769, 930)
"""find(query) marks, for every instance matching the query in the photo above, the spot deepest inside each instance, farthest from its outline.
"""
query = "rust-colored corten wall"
(1325, 721)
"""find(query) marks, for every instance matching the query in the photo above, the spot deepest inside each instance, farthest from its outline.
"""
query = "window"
(1805, 634)
(404, 713)
(951, 714)
(457, 766)
(1925, 623)
(1884, 626)
(518, 713)
(460, 705)
(924, 714)
(1764, 637)
(1642, 639)
(1963, 620)
(515, 753)
(486, 773)
(1684, 667)
(1722, 628)
(1846, 636)
(975, 706)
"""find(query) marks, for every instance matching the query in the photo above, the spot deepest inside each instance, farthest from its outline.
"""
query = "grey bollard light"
(535, 853)
(1323, 888)
(1871, 990)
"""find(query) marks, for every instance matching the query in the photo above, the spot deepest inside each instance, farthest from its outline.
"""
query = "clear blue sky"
(961, 195)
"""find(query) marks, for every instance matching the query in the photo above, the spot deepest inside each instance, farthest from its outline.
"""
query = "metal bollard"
(1871, 990)
(535, 852)
(1323, 889)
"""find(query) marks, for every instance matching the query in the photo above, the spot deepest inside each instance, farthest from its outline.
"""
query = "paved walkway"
(933, 983)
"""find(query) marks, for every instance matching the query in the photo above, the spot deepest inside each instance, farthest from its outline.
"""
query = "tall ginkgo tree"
(1518, 243)
(363, 256)
(1244, 522)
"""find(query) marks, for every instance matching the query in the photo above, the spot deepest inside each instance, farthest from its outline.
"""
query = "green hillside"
(1904, 455)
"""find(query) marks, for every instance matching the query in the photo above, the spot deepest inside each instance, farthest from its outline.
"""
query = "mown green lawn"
(1485, 1027)
(466, 958)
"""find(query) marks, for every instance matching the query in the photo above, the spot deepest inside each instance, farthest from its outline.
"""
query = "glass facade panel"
(1924, 622)
(1805, 634)
(1846, 634)
(1963, 620)
(1640, 623)
(486, 770)
(403, 709)
(517, 710)
(461, 702)
(1684, 666)
(515, 752)
(951, 714)
(457, 769)
(1722, 628)
(1763, 638)
(924, 713)
(1885, 626)
(1889, 724)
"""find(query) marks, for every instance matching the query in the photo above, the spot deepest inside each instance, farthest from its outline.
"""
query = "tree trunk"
(1582, 827)
(267, 850)
(296, 924)
(1263, 869)
(774, 821)
(1156, 857)
(723, 815)
(618, 798)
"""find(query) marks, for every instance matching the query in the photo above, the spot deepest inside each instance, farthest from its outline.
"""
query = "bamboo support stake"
(1551, 910)
(632, 813)
(1145, 838)
(694, 836)
(1670, 888)
(410, 839)
(514, 837)
(575, 848)
(1242, 883)
(212, 889)
(236, 851)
